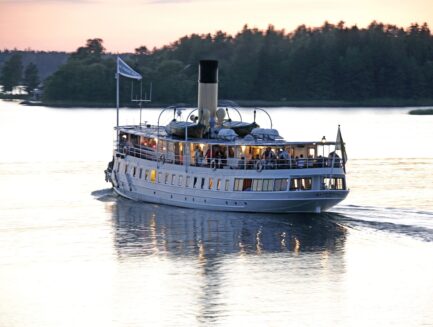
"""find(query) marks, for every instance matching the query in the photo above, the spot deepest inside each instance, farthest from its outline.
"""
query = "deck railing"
(230, 163)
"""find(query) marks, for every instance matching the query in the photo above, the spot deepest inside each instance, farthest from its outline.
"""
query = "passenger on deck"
(301, 161)
(269, 157)
(283, 159)
(198, 156)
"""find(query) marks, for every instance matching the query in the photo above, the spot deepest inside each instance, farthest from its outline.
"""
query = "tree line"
(330, 62)
(13, 73)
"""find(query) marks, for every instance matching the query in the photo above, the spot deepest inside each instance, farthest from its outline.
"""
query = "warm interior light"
(323, 139)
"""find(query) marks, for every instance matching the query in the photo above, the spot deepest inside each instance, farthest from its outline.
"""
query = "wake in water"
(413, 223)
(105, 195)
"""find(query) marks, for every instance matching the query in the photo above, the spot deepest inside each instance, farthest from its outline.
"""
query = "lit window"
(300, 184)
(219, 184)
(153, 175)
(210, 183)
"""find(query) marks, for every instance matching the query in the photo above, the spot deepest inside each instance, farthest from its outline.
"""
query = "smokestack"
(207, 90)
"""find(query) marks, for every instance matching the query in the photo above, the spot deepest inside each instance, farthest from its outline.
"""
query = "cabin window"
(238, 184)
(247, 184)
(146, 175)
(333, 184)
(218, 184)
(268, 185)
(180, 183)
(202, 182)
(227, 186)
(159, 177)
(195, 182)
(210, 183)
(300, 184)
(126, 169)
(141, 173)
(153, 175)
(173, 179)
(188, 178)
(118, 166)
(284, 183)
(134, 170)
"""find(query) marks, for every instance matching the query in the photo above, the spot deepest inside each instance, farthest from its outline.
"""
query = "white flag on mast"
(124, 70)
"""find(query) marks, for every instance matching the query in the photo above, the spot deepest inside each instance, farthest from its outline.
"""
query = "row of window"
(240, 184)
(260, 185)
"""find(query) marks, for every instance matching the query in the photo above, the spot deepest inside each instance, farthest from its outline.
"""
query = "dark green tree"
(31, 77)
(11, 73)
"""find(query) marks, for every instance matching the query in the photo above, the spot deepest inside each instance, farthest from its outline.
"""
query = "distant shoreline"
(381, 103)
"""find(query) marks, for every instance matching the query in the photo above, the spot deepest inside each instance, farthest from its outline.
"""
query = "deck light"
(323, 139)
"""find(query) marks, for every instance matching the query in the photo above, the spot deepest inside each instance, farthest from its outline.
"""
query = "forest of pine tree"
(328, 63)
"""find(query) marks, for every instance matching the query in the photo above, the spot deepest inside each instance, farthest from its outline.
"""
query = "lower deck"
(291, 190)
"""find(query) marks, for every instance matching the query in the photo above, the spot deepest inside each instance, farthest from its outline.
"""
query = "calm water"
(74, 254)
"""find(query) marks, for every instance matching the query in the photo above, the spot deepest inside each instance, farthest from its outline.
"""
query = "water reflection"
(143, 229)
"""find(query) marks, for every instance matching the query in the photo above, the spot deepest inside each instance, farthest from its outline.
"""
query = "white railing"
(163, 157)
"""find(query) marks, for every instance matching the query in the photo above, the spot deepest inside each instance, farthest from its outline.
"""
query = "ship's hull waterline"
(201, 197)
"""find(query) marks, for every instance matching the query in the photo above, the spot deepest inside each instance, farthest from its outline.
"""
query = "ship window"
(219, 184)
(146, 175)
(284, 183)
(333, 184)
(247, 184)
(238, 184)
(188, 178)
(134, 170)
(260, 185)
(159, 177)
(153, 175)
(195, 182)
(118, 166)
(180, 180)
(141, 173)
(173, 179)
(300, 184)
(268, 185)
(202, 182)
(277, 185)
(166, 178)
(126, 169)
(227, 184)
(210, 183)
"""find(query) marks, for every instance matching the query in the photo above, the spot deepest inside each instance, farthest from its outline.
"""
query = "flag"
(124, 70)
(339, 145)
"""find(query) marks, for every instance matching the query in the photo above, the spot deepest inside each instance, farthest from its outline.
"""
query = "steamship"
(209, 161)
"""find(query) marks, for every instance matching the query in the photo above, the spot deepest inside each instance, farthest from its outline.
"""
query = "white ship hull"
(209, 198)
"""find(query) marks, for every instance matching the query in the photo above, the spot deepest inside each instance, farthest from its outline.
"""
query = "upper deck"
(153, 143)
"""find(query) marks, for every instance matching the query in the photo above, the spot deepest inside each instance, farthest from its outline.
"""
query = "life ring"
(259, 166)
(162, 158)
(213, 165)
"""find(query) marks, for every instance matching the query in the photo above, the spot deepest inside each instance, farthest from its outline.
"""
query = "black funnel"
(208, 71)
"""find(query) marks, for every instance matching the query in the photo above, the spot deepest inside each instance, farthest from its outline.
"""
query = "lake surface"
(74, 254)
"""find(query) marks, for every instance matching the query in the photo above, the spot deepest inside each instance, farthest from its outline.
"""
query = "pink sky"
(125, 25)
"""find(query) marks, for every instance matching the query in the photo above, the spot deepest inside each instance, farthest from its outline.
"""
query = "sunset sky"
(127, 24)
